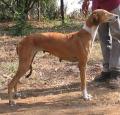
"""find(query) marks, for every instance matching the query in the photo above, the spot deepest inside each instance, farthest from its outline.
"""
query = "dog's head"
(101, 16)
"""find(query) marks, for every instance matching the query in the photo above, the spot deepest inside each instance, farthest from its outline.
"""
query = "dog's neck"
(92, 30)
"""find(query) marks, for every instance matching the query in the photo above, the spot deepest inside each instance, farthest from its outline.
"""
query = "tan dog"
(73, 47)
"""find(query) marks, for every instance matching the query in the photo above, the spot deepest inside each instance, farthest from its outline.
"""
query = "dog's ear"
(95, 19)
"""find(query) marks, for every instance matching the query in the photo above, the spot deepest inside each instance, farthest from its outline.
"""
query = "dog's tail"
(27, 76)
(17, 49)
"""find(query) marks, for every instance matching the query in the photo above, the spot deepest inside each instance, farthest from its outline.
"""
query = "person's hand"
(85, 6)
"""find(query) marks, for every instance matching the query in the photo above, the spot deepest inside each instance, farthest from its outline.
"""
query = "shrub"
(22, 27)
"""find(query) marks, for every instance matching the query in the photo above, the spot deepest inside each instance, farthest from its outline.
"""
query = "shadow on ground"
(63, 97)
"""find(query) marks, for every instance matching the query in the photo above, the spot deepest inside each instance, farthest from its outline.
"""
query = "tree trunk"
(38, 10)
(62, 10)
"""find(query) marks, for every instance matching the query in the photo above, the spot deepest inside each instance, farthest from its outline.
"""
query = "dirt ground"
(54, 87)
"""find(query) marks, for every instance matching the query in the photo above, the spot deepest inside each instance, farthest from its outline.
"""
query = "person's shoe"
(103, 77)
(114, 81)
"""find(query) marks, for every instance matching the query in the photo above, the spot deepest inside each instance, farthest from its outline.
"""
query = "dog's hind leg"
(17, 94)
(13, 84)
(25, 59)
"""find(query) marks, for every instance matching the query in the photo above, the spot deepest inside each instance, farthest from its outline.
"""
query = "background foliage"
(23, 11)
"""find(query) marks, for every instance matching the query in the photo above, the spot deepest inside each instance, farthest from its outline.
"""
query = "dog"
(74, 47)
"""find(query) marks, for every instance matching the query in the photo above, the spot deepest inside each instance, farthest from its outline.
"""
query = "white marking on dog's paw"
(87, 97)
(18, 95)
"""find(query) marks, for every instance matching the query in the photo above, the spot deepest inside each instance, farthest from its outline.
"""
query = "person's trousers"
(109, 35)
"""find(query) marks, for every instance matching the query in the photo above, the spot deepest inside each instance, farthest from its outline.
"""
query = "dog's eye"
(105, 14)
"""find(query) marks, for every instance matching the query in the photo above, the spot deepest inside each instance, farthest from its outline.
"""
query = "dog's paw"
(87, 97)
(12, 103)
(18, 95)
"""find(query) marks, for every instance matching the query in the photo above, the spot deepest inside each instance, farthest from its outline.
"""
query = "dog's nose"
(116, 17)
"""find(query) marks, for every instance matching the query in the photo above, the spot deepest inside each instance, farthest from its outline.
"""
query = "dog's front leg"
(82, 68)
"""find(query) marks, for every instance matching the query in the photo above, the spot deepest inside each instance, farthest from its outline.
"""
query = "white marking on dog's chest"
(92, 31)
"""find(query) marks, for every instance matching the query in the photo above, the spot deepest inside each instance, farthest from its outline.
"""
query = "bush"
(21, 26)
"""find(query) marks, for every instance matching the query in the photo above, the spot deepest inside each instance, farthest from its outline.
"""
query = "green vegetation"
(21, 12)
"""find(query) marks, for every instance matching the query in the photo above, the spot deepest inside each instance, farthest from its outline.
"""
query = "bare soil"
(54, 87)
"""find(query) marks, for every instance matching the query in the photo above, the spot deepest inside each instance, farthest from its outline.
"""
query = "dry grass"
(96, 54)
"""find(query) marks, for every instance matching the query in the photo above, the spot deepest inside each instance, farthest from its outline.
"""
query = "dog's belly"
(62, 55)
(71, 59)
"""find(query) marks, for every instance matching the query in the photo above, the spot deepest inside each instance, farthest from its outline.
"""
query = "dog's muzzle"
(114, 18)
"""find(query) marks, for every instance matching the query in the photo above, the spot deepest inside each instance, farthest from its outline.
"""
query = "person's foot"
(114, 81)
(103, 77)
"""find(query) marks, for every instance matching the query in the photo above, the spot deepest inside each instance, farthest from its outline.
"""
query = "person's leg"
(115, 33)
(106, 44)
(114, 64)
